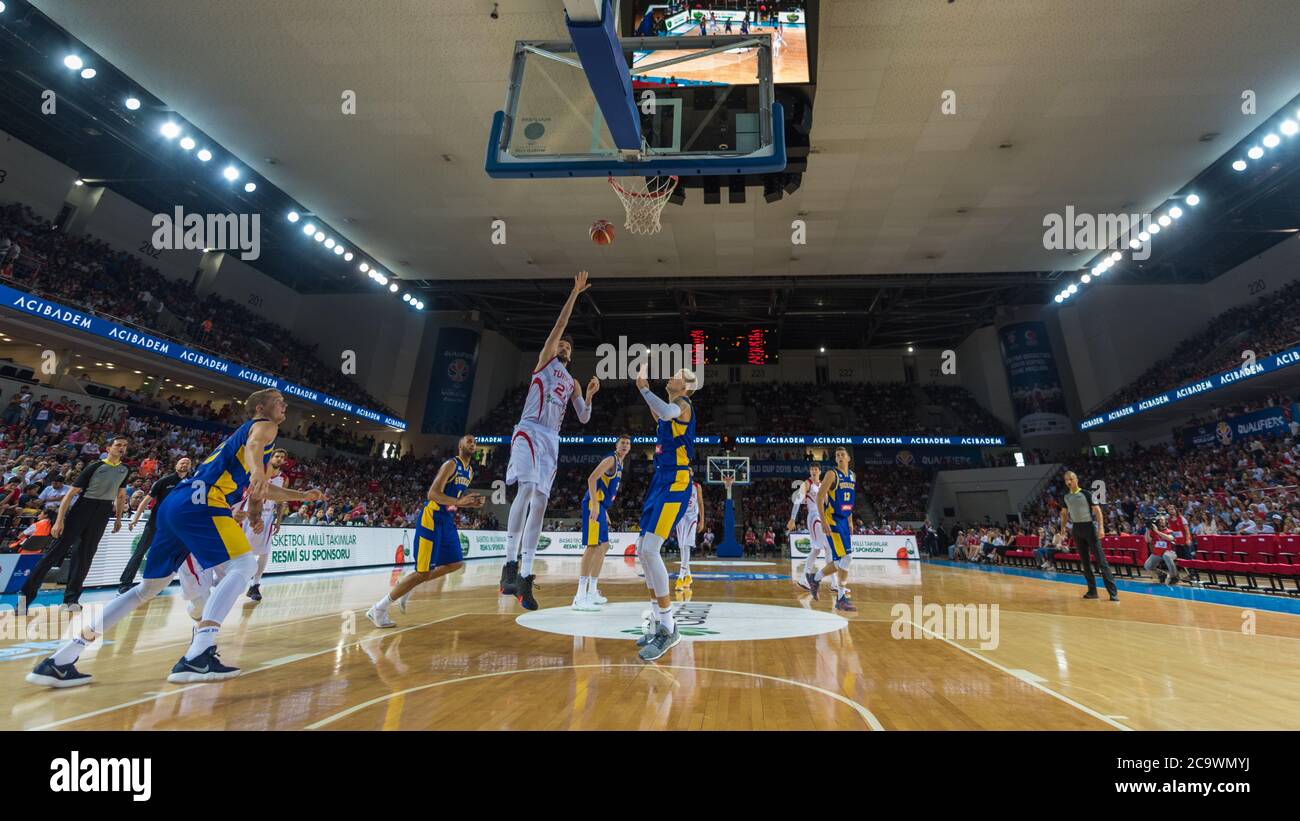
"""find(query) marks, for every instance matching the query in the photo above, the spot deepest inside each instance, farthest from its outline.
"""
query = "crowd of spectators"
(92, 275)
(1266, 326)
(973, 418)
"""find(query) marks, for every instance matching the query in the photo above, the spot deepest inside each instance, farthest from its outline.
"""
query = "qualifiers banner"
(900, 441)
(300, 548)
(451, 382)
(1032, 379)
(1267, 364)
(98, 326)
(1271, 422)
(864, 547)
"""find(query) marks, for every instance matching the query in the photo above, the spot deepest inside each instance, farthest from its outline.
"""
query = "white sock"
(665, 617)
(384, 603)
(582, 586)
(261, 568)
(204, 637)
(70, 651)
(818, 575)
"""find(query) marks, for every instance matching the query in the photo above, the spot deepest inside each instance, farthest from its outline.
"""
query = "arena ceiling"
(915, 219)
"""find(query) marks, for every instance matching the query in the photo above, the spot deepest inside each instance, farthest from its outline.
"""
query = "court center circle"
(697, 621)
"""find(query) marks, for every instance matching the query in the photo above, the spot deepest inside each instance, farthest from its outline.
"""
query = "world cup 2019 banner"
(1271, 422)
(451, 384)
(1032, 379)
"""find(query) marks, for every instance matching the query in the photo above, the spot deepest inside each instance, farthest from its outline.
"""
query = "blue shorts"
(839, 536)
(594, 531)
(437, 542)
(666, 500)
(208, 532)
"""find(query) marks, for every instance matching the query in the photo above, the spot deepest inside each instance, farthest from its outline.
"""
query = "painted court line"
(280, 662)
(866, 715)
(1035, 684)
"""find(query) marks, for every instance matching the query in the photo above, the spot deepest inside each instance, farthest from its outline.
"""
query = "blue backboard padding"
(698, 165)
(602, 60)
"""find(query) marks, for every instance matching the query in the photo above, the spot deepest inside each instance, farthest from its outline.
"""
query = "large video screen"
(784, 21)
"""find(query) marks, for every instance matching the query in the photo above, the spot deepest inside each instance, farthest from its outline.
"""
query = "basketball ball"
(602, 232)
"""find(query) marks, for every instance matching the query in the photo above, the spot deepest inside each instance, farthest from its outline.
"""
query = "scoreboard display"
(736, 348)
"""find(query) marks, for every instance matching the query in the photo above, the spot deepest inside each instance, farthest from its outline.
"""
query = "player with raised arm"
(665, 501)
(835, 498)
(437, 542)
(806, 497)
(534, 449)
(602, 487)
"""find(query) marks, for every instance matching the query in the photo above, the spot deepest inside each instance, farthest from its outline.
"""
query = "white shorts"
(534, 455)
(817, 535)
(260, 542)
(196, 583)
(685, 532)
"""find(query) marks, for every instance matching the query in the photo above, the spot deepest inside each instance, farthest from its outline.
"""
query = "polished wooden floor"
(459, 660)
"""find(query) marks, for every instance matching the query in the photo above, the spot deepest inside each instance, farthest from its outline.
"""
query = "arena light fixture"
(1192, 200)
(187, 143)
(230, 172)
(2, 8)
(1073, 289)
(250, 187)
(347, 257)
(909, 349)
(1272, 140)
(1098, 269)
(338, 250)
(383, 280)
(1144, 236)
(1153, 230)
(1060, 298)
(1176, 212)
(1239, 165)
(73, 62)
(319, 236)
(822, 349)
(406, 297)
(1134, 243)
(1164, 220)
(329, 242)
(393, 287)
(293, 216)
(79, 182)
(204, 155)
(1085, 279)
(88, 73)
(365, 266)
(1289, 128)
(1116, 256)
(170, 130)
(1255, 152)
(132, 104)
(309, 229)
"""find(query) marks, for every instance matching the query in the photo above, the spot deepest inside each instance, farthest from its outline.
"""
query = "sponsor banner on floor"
(301, 548)
(864, 547)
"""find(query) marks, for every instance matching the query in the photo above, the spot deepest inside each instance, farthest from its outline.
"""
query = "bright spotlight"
(293, 216)
(347, 257)
(383, 280)
(393, 287)
(1153, 230)
(365, 266)
(1117, 256)
(1073, 289)
(320, 236)
(73, 62)
(338, 249)
(1085, 279)
(1134, 244)
(1239, 165)
(406, 297)
(1255, 152)
(187, 143)
(79, 182)
(1175, 212)
(309, 229)
(132, 104)
(1289, 128)
(204, 155)
(822, 349)
(1272, 141)
(1193, 200)
(88, 73)
(1060, 298)
(2, 8)
(1098, 269)
(250, 187)
(1164, 220)
(231, 173)
(329, 243)
(170, 130)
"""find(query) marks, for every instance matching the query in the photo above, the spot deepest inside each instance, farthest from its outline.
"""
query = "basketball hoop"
(644, 201)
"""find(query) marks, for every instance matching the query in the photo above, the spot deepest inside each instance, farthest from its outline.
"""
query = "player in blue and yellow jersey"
(195, 519)
(602, 487)
(835, 499)
(437, 543)
(665, 501)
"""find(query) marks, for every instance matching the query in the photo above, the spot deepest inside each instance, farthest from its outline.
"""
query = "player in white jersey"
(685, 533)
(534, 449)
(197, 583)
(806, 496)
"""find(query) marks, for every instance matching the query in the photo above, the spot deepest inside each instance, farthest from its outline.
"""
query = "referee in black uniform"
(1086, 524)
(98, 494)
(157, 493)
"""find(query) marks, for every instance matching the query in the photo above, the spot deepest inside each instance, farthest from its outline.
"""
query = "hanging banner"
(451, 383)
(1032, 379)
(1270, 422)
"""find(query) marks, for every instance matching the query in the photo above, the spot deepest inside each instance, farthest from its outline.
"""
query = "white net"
(644, 201)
